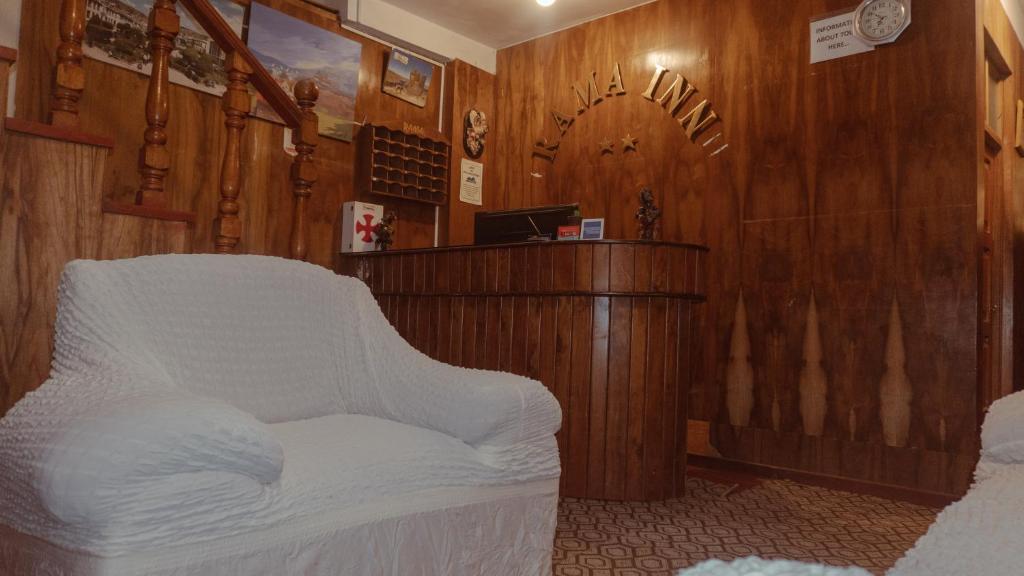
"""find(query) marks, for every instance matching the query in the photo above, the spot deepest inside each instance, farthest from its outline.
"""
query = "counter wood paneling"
(612, 328)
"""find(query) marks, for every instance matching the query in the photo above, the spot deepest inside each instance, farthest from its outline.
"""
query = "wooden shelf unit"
(403, 160)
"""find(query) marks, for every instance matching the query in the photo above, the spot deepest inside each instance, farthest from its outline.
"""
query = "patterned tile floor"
(773, 519)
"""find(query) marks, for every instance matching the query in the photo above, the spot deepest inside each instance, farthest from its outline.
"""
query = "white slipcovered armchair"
(254, 415)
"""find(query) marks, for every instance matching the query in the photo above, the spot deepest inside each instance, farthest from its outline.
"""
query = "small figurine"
(384, 231)
(648, 215)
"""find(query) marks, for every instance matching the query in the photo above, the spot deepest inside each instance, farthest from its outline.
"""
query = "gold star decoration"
(607, 146)
(629, 143)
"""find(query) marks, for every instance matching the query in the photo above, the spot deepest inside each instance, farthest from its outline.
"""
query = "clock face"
(881, 20)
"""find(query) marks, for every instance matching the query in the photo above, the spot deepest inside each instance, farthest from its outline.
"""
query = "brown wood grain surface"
(851, 183)
(112, 105)
(52, 212)
(58, 180)
(50, 195)
(616, 353)
(840, 329)
(5, 80)
(59, 133)
(469, 88)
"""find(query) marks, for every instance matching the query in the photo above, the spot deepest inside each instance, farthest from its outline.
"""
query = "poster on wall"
(116, 33)
(408, 78)
(471, 186)
(292, 50)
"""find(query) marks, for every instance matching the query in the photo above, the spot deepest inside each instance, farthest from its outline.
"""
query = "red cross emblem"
(366, 228)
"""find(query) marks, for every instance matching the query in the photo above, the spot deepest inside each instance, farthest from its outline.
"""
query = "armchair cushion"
(98, 457)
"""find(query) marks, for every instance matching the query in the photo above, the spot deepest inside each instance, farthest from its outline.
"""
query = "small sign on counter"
(832, 37)
(472, 182)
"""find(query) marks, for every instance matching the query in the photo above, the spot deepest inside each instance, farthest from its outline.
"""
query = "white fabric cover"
(759, 567)
(980, 535)
(1002, 434)
(504, 530)
(200, 398)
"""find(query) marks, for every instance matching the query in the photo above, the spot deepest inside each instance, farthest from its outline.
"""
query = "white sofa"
(250, 415)
(980, 535)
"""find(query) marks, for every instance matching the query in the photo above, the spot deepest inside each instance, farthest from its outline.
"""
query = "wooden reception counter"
(612, 328)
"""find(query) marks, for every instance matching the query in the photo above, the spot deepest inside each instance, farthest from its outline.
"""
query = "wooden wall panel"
(466, 88)
(1008, 220)
(1016, 241)
(50, 194)
(850, 184)
(112, 105)
(124, 236)
(618, 355)
(50, 213)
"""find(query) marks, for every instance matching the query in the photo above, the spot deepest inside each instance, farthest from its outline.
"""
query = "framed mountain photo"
(293, 49)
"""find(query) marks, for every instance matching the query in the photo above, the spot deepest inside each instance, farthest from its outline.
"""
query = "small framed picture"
(407, 77)
(592, 229)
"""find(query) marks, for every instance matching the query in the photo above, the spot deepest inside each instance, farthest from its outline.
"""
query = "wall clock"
(881, 21)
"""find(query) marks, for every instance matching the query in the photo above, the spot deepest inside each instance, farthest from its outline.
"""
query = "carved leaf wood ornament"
(813, 380)
(587, 94)
(895, 391)
(739, 372)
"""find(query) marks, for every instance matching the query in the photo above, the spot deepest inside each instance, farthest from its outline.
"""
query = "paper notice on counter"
(471, 190)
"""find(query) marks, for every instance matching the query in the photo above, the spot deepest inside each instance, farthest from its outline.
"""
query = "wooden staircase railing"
(69, 78)
(242, 68)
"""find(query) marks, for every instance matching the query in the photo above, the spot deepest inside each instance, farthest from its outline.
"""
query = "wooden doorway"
(994, 236)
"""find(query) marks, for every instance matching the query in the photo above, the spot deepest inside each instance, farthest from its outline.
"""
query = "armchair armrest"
(480, 407)
(148, 433)
(1002, 432)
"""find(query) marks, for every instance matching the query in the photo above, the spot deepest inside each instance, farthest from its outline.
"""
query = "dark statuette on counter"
(385, 231)
(648, 215)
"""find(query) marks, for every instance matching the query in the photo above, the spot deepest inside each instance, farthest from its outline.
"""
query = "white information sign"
(832, 37)
(471, 189)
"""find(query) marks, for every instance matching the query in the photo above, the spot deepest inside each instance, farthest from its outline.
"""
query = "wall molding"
(889, 491)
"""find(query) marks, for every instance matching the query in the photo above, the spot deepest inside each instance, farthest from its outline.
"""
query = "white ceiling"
(501, 23)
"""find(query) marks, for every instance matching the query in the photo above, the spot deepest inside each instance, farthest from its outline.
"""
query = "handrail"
(210, 20)
(69, 75)
(242, 68)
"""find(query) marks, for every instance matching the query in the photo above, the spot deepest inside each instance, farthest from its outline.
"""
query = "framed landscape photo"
(408, 77)
(116, 33)
(292, 50)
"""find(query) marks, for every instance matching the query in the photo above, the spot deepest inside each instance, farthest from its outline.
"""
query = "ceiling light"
(545, 2)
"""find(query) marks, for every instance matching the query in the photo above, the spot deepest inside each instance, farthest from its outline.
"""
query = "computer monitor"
(523, 225)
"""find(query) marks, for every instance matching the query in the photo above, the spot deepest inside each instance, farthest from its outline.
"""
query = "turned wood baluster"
(303, 169)
(236, 104)
(69, 79)
(154, 160)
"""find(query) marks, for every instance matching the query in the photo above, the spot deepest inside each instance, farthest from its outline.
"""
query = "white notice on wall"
(471, 189)
(832, 37)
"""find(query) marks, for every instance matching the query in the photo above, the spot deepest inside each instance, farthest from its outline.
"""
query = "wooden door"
(991, 253)
(986, 300)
